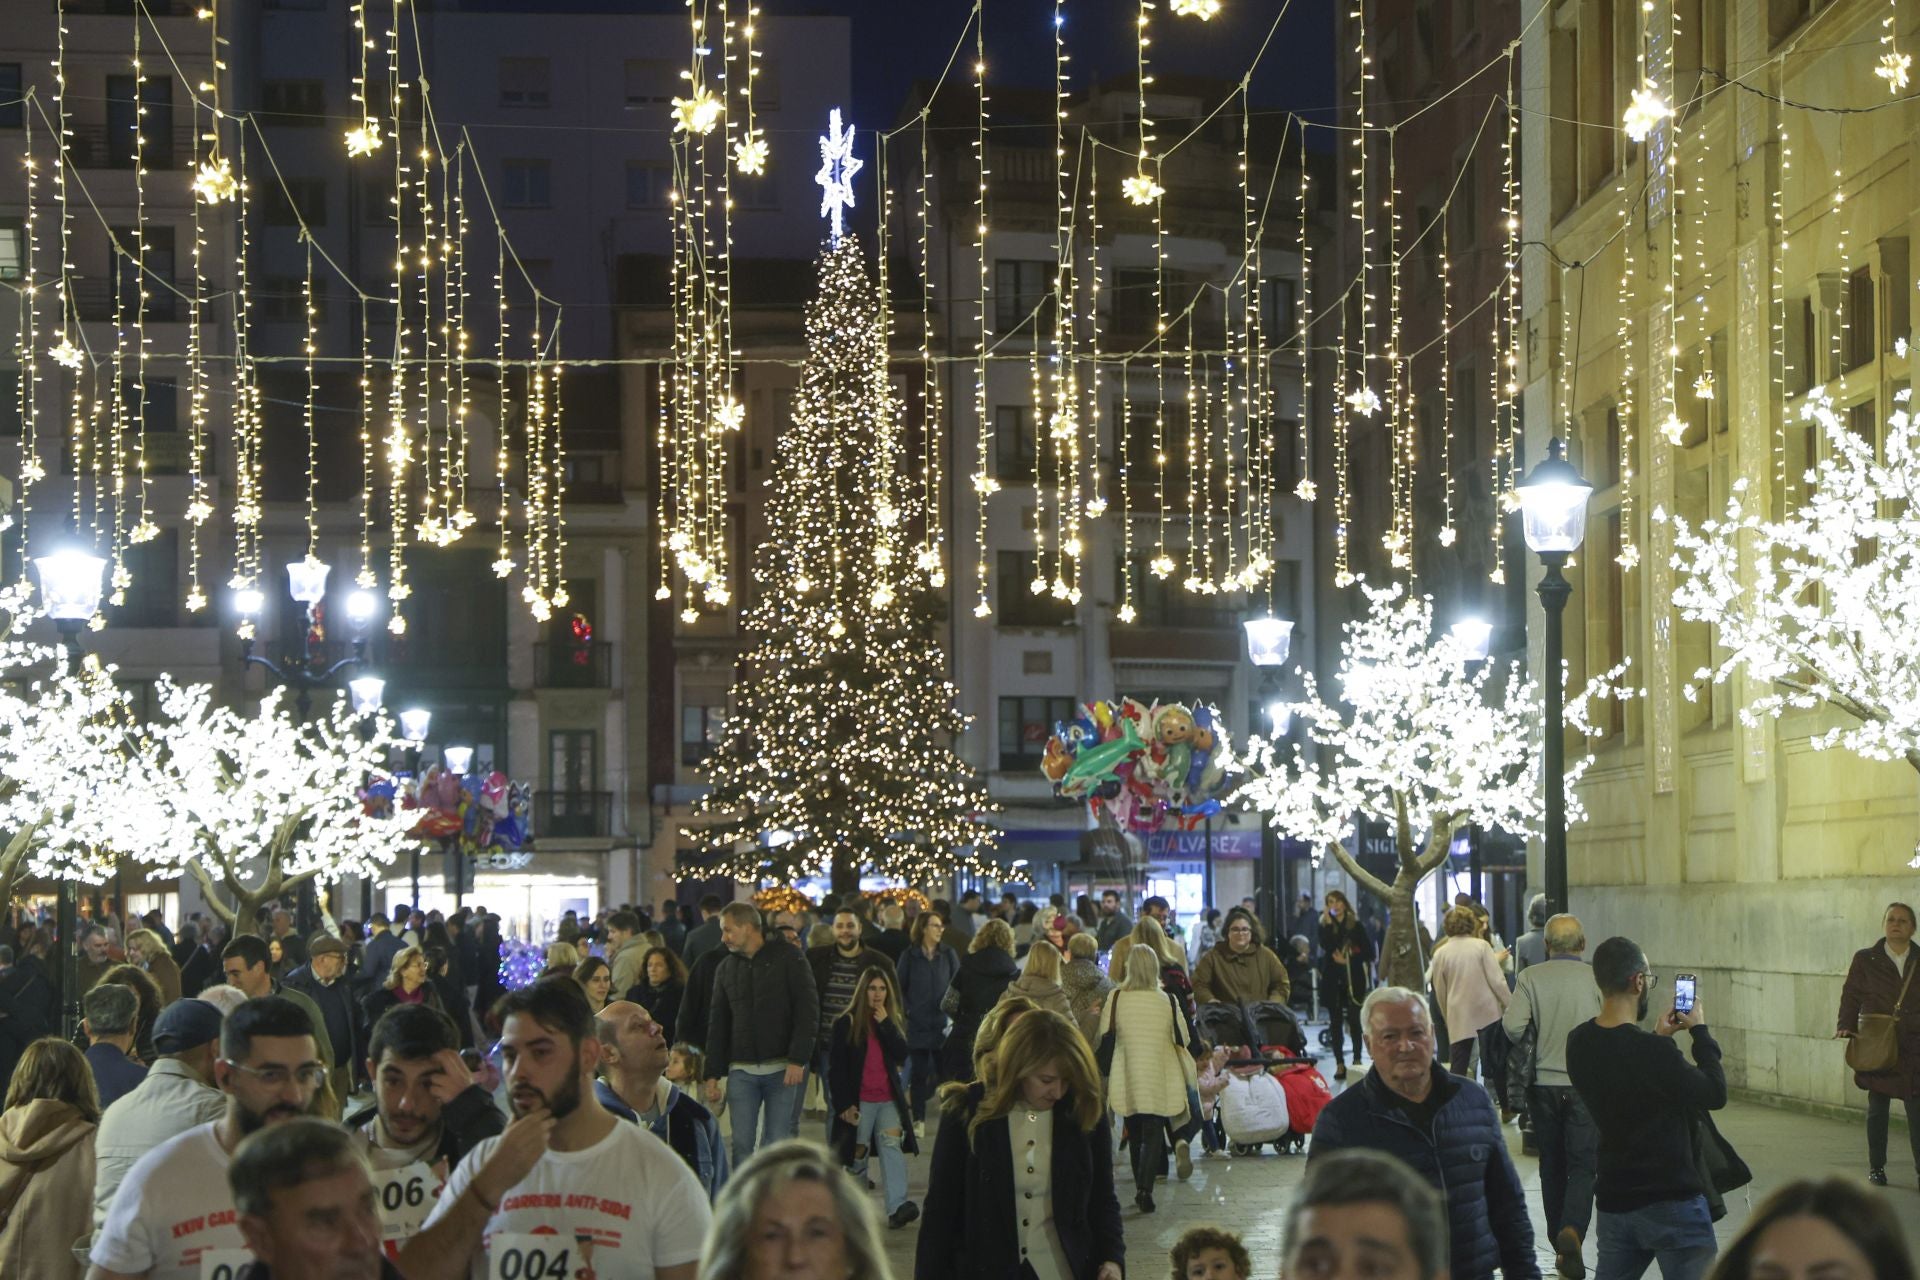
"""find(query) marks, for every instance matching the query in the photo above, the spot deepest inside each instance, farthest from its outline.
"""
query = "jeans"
(765, 1101)
(1879, 1113)
(880, 1128)
(1679, 1233)
(923, 1077)
(1147, 1145)
(1569, 1150)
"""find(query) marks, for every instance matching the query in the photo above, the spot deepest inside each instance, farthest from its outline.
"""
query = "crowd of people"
(358, 1104)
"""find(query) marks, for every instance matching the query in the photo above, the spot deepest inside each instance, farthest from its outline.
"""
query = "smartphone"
(1683, 992)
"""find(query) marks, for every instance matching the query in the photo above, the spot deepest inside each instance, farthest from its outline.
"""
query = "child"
(1208, 1253)
(1212, 1082)
(683, 1067)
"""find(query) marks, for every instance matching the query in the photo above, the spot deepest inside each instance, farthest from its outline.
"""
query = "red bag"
(1307, 1093)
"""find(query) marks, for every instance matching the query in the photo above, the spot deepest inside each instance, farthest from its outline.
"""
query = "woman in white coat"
(1152, 1067)
(1468, 984)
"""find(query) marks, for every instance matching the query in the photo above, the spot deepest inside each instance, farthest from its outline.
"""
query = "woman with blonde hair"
(562, 959)
(992, 1027)
(1039, 980)
(1467, 985)
(407, 983)
(790, 1210)
(1086, 986)
(146, 949)
(46, 1162)
(1146, 930)
(985, 972)
(1021, 1181)
(866, 1097)
(1152, 1068)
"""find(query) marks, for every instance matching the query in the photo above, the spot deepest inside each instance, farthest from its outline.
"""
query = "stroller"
(1275, 1026)
(1224, 1024)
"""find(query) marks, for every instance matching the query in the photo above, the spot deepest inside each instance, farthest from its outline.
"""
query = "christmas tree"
(839, 751)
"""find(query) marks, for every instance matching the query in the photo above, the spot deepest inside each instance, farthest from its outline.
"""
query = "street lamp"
(1474, 636)
(458, 759)
(307, 584)
(1268, 640)
(70, 584)
(367, 692)
(1553, 514)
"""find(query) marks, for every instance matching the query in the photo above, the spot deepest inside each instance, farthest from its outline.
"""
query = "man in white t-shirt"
(173, 1208)
(567, 1178)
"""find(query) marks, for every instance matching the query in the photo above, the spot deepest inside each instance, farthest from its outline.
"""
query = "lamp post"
(1553, 513)
(70, 583)
(414, 723)
(1474, 636)
(1269, 641)
(307, 584)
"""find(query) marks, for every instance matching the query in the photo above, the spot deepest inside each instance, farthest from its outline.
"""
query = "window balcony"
(573, 666)
(572, 815)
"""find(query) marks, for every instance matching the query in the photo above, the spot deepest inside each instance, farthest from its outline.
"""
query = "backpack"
(1307, 1095)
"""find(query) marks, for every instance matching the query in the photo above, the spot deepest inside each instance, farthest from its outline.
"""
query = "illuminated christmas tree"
(839, 752)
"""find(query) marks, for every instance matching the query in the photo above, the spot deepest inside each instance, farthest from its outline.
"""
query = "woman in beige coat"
(1468, 984)
(1039, 981)
(1152, 1067)
(46, 1163)
(147, 949)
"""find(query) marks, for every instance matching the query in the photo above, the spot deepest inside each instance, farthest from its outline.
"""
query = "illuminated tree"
(258, 805)
(1827, 614)
(1431, 742)
(839, 752)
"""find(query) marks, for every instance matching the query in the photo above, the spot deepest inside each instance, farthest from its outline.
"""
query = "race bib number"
(405, 1196)
(531, 1257)
(224, 1264)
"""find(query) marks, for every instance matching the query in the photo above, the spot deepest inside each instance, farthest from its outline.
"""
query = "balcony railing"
(95, 146)
(93, 299)
(572, 815)
(573, 666)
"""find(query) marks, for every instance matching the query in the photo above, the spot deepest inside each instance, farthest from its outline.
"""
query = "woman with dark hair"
(662, 986)
(1346, 959)
(46, 1162)
(141, 983)
(595, 977)
(437, 935)
(1021, 1182)
(985, 973)
(865, 1051)
(1881, 981)
(1832, 1229)
(926, 969)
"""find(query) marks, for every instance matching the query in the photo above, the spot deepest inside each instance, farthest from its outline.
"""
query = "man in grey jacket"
(1555, 997)
(760, 1031)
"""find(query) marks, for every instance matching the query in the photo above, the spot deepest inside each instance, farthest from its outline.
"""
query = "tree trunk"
(844, 878)
(1402, 961)
(11, 857)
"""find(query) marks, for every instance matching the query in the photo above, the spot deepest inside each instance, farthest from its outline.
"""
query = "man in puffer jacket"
(760, 1030)
(1442, 1125)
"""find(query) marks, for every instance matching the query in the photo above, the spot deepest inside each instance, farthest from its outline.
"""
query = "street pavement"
(1249, 1195)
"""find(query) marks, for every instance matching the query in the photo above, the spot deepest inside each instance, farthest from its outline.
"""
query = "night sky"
(896, 42)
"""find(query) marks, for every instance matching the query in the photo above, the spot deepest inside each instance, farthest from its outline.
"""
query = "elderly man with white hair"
(1444, 1127)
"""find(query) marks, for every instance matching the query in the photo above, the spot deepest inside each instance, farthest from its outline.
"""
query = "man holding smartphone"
(1642, 1094)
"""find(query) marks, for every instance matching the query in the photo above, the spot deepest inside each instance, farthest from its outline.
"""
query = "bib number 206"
(530, 1257)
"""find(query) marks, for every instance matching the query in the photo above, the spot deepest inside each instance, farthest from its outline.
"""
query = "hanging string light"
(984, 483)
(1894, 66)
(932, 558)
(27, 385)
(1305, 488)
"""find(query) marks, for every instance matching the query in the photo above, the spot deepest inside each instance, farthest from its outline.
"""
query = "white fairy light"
(1894, 69)
(215, 182)
(750, 156)
(698, 114)
(1645, 112)
(1141, 189)
(1364, 400)
(1205, 10)
(838, 165)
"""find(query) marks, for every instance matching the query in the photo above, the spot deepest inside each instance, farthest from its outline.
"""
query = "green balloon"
(1100, 761)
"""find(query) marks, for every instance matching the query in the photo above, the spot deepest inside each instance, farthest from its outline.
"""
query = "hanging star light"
(1306, 490)
(1096, 507)
(1647, 109)
(698, 114)
(1893, 69)
(215, 183)
(1703, 386)
(1674, 429)
(67, 355)
(838, 165)
(1140, 189)
(730, 416)
(1201, 9)
(750, 156)
(365, 140)
(1364, 400)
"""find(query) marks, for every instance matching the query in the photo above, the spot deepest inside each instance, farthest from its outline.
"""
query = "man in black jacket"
(25, 999)
(1441, 1125)
(427, 1107)
(322, 979)
(761, 1031)
(705, 936)
(1643, 1095)
(836, 977)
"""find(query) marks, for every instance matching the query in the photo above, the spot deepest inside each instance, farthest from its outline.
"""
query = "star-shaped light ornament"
(1646, 110)
(838, 165)
(67, 355)
(698, 114)
(1306, 490)
(1096, 507)
(1893, 68)
(1703, 386)
(1364, 401)
(750, 156)
(730, 416)
(1140, 189)
(1447, 535)
(365, 140)
(215, 183)
(1201, 9)
(1674, 429)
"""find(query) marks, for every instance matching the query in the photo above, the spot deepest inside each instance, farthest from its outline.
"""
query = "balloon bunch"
(478, 813)
(1141, 765)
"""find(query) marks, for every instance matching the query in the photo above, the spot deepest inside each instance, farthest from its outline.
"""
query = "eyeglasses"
(311, 1076)
(1653, 979)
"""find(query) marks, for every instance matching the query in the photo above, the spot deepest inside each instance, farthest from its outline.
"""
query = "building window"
(1279, 313)
(295, 202)
(1785, 16)
(1153, 434)
(155, 127)
(294, 104)
(527, 184)
(152, 598)
(758, 192)
(651, 82)
(1021, 287)
(9, 403)
(700, 729)
(1131, 298)
(1017, 604)
(13, 110)
(573, 764)
(1013, 443)
(1860, 318)
(13, 249)
(524, 82)
(156, 253)
(1025, 726)
(648, 185)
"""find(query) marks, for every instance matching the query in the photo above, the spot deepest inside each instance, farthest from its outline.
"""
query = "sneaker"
(1878, 1177)
(1183, 1160)
(903, 1215)
(1566, 1254)
(1144, 1201)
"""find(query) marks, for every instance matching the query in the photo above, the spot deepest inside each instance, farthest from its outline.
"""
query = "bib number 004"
(530, 1257)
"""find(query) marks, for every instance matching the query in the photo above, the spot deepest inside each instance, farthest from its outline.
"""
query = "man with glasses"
(173, 1209)
(1642, 1095)
(246, 964)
